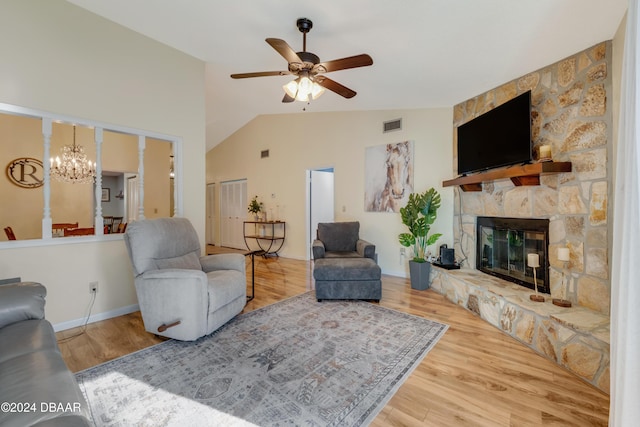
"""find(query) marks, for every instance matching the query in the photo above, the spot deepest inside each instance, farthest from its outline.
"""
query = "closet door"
(211, 214)
(233, 209)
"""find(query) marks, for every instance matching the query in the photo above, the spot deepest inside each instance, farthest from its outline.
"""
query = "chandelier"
(74, 166)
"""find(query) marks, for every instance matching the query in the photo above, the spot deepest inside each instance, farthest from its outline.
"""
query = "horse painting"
(388, 176)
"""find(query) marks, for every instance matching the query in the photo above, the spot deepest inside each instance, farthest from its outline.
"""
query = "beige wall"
(299, 142)
(63, 59)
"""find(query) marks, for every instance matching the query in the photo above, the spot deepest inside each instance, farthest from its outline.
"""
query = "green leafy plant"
(255, 206)
(418, 215)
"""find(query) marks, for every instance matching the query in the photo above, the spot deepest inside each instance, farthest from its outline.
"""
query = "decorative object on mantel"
(533, 261)
(544, 153)
(419, 213)
(74, 166)
(564, 256)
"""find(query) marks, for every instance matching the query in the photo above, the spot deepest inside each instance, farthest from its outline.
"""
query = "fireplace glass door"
(503, 245)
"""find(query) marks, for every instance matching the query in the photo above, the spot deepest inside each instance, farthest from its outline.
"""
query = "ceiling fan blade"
(344, 63)
(287, 98)
(334, 86)
(259, 74)
(285, 50)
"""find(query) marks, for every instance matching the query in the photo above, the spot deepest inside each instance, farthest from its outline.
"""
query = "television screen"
(499, 137)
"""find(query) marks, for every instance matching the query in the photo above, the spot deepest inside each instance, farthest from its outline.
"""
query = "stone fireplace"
(571, 112)
(503, 245)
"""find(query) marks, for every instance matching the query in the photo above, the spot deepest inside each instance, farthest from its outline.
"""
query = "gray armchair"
(344, 265)
(181, 294)
(341, 240)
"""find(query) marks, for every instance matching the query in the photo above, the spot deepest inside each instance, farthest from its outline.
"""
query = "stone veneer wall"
(575, 338)
(571, 112)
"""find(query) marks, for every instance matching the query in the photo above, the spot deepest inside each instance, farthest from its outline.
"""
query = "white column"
(177, 175)
(98, 220)
(141, 146)
(46, 189)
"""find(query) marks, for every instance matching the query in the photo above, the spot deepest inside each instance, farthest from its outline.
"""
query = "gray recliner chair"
(181, 294)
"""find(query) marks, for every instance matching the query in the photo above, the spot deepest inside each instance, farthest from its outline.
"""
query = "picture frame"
(106, 195)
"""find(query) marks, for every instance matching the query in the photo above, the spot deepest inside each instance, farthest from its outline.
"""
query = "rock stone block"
(571, 96)
(581, 359)
(593, 294)
(570, 201)
(528, 82)
(598, 204)
(517, 203)
(583, 135)
(590, 164)
(594, 103)
(596, 263)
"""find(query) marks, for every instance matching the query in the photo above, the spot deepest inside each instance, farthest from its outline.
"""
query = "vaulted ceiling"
(426, 53)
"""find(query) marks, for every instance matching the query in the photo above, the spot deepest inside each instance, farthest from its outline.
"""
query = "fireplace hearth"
(502, 246)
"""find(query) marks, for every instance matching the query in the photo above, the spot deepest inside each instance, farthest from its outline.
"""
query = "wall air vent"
(392, 125)
(264, 154)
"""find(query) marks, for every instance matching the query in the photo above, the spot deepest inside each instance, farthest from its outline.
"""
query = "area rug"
(297, 362)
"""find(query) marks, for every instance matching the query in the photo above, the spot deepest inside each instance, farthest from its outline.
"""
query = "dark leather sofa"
(36, 388)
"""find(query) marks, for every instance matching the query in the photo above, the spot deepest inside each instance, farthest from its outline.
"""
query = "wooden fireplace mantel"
(528, 174)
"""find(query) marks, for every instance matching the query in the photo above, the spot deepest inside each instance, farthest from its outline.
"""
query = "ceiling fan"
(311, 81)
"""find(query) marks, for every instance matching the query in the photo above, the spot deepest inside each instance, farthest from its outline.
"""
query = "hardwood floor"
(474, 376)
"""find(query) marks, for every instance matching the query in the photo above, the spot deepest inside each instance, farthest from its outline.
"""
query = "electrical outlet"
(93, 287)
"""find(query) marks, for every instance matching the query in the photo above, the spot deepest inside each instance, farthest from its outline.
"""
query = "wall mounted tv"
(499, 137)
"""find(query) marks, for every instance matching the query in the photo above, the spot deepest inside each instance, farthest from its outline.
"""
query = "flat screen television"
(499, 137)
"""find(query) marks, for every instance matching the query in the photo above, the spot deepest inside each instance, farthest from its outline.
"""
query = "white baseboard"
(96, 317)
(396, 273)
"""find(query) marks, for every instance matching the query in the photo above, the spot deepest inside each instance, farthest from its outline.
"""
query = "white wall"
(57, 57)
(297, 142)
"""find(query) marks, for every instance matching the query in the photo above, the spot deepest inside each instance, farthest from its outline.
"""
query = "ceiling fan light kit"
(303, 89)
(310, 82)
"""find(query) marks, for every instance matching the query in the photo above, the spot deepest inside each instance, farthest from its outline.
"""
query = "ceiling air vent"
(264, 154)
(392, 125)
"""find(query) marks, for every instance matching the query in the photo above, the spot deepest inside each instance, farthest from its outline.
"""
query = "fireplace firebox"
(502, 246)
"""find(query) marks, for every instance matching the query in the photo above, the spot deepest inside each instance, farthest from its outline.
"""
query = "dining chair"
(117, 220)
(58, 228)
(108, 223)
(10, 234)
(79, 231)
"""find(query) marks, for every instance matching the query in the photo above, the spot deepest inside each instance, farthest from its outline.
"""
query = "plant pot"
(420, 274)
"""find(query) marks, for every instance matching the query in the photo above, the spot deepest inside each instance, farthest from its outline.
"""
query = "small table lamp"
(564, 256)
(533, 261)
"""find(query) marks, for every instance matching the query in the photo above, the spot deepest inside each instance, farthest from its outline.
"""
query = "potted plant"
(255, 207)
(418, 215)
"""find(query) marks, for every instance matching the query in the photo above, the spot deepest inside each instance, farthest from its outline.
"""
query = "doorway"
(320, 202)
(132, 198)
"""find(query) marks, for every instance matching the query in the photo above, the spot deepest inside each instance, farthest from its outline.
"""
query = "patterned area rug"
(294, 363)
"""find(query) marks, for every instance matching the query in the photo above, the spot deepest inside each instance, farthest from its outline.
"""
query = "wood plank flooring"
(474, 376)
